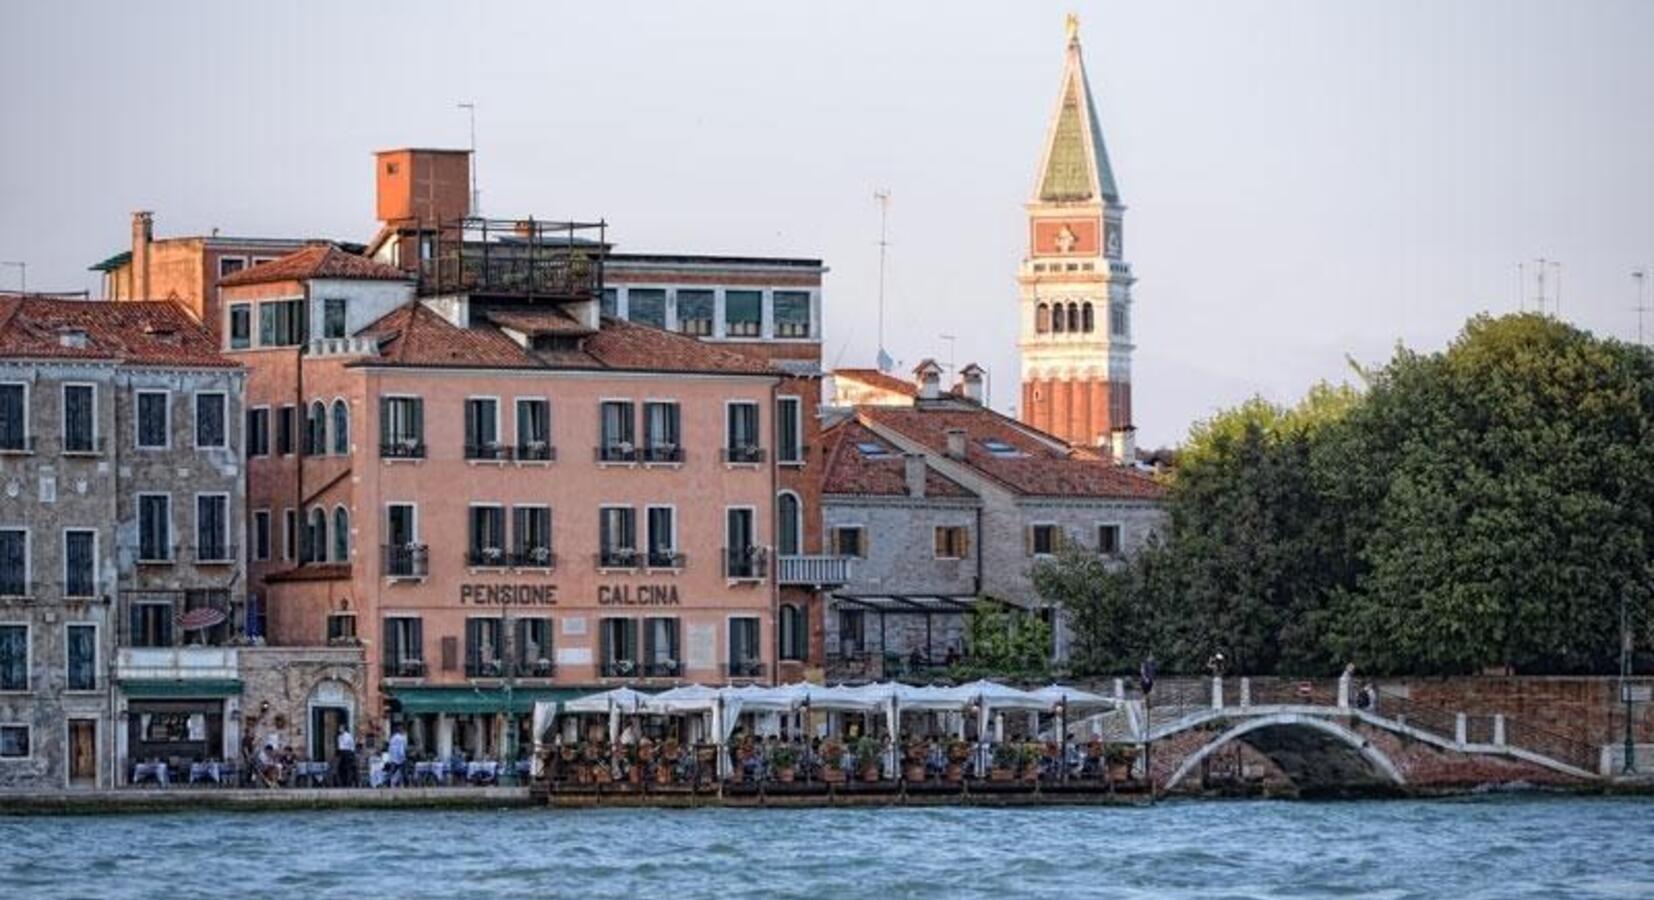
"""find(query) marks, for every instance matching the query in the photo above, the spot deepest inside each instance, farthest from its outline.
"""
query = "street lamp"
(1625, 684)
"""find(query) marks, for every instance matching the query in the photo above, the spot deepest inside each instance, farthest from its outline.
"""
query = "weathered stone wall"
(280, 684)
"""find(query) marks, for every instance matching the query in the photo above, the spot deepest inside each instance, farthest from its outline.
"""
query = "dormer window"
(555, 343)
(72, 338)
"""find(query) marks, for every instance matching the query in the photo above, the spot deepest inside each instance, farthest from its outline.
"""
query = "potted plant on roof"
(782, 762)
(1006, 758)
(867, 759)
(832, 761)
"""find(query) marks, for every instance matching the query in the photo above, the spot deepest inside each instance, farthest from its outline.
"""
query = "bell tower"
(1075, 286)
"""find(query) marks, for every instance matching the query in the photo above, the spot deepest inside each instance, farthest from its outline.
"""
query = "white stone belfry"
(1075, 305)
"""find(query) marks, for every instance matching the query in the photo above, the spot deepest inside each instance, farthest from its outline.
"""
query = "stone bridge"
(1325, 738)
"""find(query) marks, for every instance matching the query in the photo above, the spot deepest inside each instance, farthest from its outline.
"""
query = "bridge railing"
(1560, 747)
(1443, 723)
(1271, 691)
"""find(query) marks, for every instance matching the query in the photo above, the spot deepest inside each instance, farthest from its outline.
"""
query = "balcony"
(487, 451)
(402, 448)
(404, 668)
(666, 559)
(620, 558)
(536, 668)
(743, 455)
(618, 668)
(744, 668)
(175, 664)
(343, 346)
(813, 571)
(484, 668)
(621, 452)
(485, 558)
(514, 257)
(746, 563)
(406, 561)
(665, 668)
(533, 558)
(536, 451)
(663, 454)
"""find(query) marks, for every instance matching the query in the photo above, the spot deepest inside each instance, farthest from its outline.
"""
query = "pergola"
(927, 605)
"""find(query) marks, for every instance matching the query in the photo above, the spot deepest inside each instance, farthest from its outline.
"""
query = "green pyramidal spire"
(1076, 160)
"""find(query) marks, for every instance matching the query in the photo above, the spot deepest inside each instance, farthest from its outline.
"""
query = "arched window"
(315, 443)
(787, 524)
(1042, 318)
(341, 535)
(316, 537)
(1088, 322)
(795, 641)
(341, 425)
(1057, 318)
(1073, 317)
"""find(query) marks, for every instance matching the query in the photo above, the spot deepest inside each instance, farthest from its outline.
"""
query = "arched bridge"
(1324, 737)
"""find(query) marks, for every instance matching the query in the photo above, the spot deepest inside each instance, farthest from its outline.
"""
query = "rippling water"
(1494, 847)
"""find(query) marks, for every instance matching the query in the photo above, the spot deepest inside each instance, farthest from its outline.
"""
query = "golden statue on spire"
(1073, 27)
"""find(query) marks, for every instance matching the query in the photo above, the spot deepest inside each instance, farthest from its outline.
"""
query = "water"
(1492, 847)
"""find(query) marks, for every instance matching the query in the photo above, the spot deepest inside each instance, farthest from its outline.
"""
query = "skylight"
(871, 449)
(1000, 448)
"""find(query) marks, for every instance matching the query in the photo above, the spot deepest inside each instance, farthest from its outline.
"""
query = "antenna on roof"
(882, 196)
(476, 196)
(1639, 275)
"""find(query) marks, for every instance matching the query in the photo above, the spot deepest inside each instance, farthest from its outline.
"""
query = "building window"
(286, 418)
(281, 323)
(1073, 317)
(952, 542)
(289, 534)
(1117, 319)
(341, 428)
(618, 650)
(1108, 540)
(646, 306)
(610, 304)
(333, 317)
(14, 742)
(487, 541)
(615, 431)
(229, 265)
(260, 536)
(404, 647)
(531, 528)
(662, 441)
(341, 628)
(402, 427)
(660, 647)
(533, 429)
(852, 631)
(151, 624)
(789, 428)
(1087, 323)
(696, 310)
(1056, 318)
(741, 433)
(14, 562)
(1042, 318)
(405, 557)
(154, 527)
(314, 547)
(789, 521)
(482, 428)
(14, 417)
(210, 416)
(794, 636)
(617, 537)
(1043, 540)
(241, 326)
(153, 410)
(742, 556)
(212, 528)
(83, 657)
(744, 658)
(14, 657)
(533, 647)
(79, 418)
(80, 563)
(258, 432)
(792, 314)
(743, 313)
(341, 535)
(663, 537)
(315, 429)
(482, 648)
(849, 541)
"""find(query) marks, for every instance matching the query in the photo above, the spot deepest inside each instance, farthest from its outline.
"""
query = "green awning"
(112, 263)
(460, 701)
(146, 689)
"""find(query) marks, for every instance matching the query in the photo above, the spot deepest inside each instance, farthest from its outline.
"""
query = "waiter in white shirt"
(345, 768)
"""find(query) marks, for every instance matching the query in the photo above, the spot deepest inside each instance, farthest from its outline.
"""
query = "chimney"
(970, 383)
(1125, 445)
(956, 443)
(915, 474)
(927, 376)
(143, 232)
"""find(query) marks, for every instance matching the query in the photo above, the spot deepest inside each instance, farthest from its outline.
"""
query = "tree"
(1005, 640)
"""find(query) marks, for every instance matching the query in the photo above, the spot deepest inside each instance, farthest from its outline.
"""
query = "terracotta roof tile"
(321, 261)
(538, 321)
(151, 333)
(850, 471)
(1043, 466)
(413, 335)
(877, 379)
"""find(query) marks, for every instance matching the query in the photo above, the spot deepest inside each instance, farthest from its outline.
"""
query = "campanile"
(1075, 306)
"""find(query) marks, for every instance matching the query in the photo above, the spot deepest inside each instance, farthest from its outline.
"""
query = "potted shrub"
(832, 762)
(1031, 755)
(1119, 763)
(1007, 757)
(867, 759)
(914, 756)
(959, 752)
(782, 762)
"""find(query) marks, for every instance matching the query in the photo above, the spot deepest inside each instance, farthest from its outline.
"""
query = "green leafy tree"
(1005, 640)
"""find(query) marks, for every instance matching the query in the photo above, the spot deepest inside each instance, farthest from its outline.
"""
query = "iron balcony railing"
(743, 454)
(404, 448)
(406, 561)
(663, 453)
(744, 668)
(746, 563)
(666, 559)
(484, 668)
(486, 557)
(515, 257)
(623, 558)
(405, 668)
(665, 668)
(818, 571)
(536, 451)
(533, 558)
(616, 453)
(490, 451)
(618, 668)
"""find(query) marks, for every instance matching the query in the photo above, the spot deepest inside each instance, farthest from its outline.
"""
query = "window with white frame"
(229, 265)
(14, 742)
(14, 562)
(211, 409)
(696, 312)
(533, 429)
(212, 528)
(531, 532)
(153, 413)
(792, 314)
(615, 435)
(341, 428)
(14, 417)
(741, 433)
(315, 429)
(646, 306)
(487, 543)
(258, 432)
(333, 317)
(662, 437)
(482, 428)
(80, 562)
(341, 535)
(663, 537)
(241, 326)
(82, 640)
(14, 657)
(617, 536)
(80, 418)
(743, 313)
(154, 527)
(259, 536)
(789, 430)
(401, 427)
(289, 534)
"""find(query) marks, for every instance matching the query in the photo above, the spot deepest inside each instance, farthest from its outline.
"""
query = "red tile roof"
(875, 378)
(1044, 467)
(322, 261)
(413, 335)
(849, 471)
(538, 321)
(148, 333)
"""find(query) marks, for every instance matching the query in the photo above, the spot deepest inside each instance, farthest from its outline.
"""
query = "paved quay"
(171, 799)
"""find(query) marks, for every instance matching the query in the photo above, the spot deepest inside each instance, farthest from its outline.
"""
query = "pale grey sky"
(1305, 180)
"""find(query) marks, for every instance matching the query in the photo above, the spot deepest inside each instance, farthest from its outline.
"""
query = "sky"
(1308, 183)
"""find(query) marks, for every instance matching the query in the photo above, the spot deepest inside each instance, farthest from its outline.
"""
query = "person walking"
(345, 773)
(398, 757)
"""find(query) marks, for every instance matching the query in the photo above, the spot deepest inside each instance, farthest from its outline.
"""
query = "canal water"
(1493, 847)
